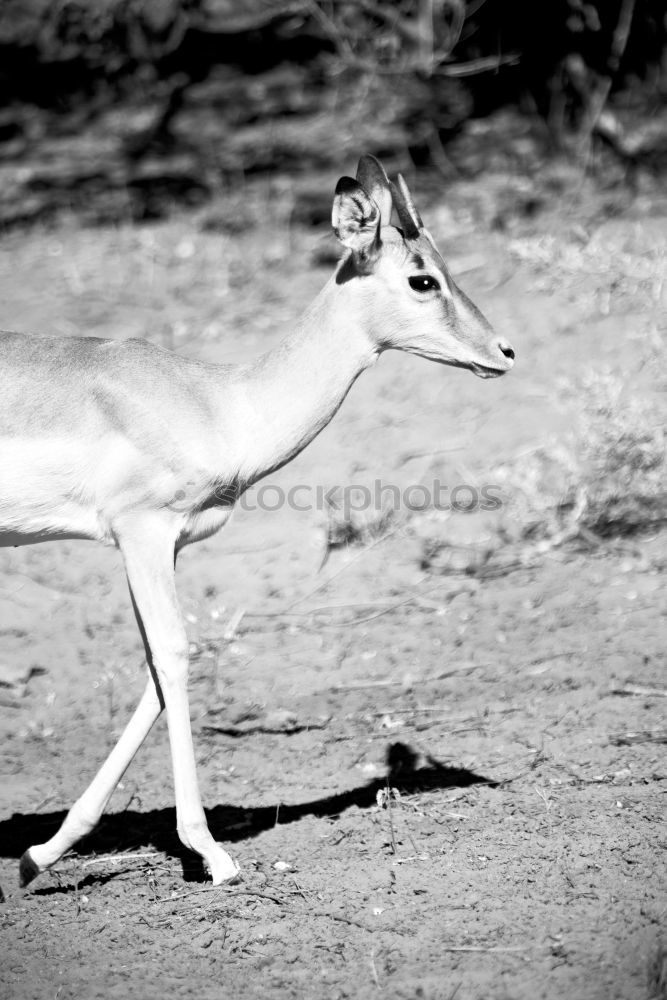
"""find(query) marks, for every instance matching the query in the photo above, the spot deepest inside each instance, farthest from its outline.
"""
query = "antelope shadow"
(132, 830)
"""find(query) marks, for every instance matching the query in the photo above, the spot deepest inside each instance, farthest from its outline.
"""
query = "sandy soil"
(426, 776)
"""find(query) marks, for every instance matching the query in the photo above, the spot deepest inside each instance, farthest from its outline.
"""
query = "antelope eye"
(423, 283)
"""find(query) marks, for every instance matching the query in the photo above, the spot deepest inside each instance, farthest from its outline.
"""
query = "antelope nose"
(506, 349)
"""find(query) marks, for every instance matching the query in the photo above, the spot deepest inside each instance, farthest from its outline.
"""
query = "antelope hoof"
(223, 869)
(28, 869)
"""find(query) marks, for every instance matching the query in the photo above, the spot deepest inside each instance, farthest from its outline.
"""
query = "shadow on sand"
(132, 830)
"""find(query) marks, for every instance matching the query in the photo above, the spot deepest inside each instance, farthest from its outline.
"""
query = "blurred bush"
(122, 106)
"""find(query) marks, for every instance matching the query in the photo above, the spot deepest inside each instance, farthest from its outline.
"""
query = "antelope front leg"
(149, 562)
(86, 811)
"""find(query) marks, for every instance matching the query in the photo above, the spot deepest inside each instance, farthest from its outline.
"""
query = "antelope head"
(407, 296)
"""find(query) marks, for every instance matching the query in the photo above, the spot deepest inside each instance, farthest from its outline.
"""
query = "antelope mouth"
(487, 371)
(476, 367)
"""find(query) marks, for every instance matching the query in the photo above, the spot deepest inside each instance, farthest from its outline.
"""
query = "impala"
(98, 438)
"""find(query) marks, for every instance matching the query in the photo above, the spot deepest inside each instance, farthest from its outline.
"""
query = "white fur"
(128, 444)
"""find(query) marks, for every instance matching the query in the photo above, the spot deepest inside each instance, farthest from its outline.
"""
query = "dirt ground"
(438, 784)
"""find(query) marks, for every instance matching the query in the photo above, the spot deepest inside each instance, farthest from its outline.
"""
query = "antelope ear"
(373, 179)
(356, 221)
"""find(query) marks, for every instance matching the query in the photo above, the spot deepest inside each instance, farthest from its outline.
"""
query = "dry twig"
(641, 736)
(640, 691)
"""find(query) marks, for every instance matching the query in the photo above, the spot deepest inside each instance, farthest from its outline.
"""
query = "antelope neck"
(293, 391)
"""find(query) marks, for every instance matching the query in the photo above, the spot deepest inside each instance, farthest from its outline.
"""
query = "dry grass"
(347, 527)
(621, 455)
(607, 479)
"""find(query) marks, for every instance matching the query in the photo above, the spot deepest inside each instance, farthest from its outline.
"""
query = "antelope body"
(134, 446)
